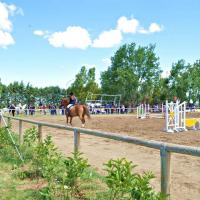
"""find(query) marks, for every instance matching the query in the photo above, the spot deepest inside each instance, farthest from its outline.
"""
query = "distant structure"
(103, 99)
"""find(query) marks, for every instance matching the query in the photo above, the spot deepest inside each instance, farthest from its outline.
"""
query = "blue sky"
(46, 42)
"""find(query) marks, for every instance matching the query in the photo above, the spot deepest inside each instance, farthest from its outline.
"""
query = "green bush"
(29, 144)
(31, 136)
(142, 188)
(124, 184)
(46, 159)
(7, 148)
(74, 168)
(4, 138)
(120, 178)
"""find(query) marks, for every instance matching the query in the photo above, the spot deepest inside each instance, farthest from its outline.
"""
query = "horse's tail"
(86, 111)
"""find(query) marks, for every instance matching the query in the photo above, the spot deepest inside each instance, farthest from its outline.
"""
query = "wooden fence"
(165, 148)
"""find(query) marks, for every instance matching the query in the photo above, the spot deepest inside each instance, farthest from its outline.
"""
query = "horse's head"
(65, 102)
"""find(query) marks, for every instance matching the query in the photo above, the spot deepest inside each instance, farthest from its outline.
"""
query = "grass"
(9, 185)
(93, 184)
(12, 187)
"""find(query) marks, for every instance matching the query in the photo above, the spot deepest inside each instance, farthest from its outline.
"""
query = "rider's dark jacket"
(73, 101)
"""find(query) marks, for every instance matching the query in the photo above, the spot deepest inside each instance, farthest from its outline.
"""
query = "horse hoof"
(83, 125)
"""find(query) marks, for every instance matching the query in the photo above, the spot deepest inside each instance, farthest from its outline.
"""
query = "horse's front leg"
(66, 119)
(70, 120)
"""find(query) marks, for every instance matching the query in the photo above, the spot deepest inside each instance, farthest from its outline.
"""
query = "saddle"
(69, 108)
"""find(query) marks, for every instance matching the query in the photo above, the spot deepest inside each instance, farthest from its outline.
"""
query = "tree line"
(135, 73)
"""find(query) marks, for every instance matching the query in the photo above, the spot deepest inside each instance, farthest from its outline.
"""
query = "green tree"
(161, 90)
(132, 73)
(84, 83)
(179, 80)
(194, 82)
(29, 94)
(78, 85)
(91, 85)
(15, 92)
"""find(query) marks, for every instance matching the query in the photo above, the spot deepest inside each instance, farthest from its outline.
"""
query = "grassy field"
(11, 187)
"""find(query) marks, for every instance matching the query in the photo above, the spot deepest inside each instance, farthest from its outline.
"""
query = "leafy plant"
(30, 136)
(46, 159)
(62, 174)
(30, 143)
(120, 178)
(7, 147)
(124, 184)
(4, 138)
(142, 188)
(75, 166)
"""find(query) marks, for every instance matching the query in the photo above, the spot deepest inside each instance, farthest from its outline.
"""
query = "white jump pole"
(167, 116)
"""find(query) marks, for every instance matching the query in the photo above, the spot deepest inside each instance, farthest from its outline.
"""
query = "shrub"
(142, 188)
(120, 178)
(46, 159)
(29, 144)
(124, 184)
(31, 136)
(4, 138)
(75, 166)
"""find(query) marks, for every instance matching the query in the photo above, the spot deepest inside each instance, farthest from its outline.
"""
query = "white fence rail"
(165, 148)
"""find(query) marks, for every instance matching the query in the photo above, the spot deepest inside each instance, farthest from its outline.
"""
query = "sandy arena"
(185, 170)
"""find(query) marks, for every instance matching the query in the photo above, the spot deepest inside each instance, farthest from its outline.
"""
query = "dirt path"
(185, 177)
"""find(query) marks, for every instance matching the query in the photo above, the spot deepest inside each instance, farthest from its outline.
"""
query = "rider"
(72, 101)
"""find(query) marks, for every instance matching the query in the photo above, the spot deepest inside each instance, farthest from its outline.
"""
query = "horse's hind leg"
(82, 120)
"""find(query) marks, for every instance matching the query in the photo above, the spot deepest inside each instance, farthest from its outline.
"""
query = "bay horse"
(78, 110)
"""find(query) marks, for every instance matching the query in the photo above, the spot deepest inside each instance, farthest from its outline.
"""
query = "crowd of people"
(52, 108)
(108, 108)
(94, 108)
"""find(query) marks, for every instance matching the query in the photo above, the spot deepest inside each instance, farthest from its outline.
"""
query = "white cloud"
(11, 8)
(73, 37)
(78, 37)
(132, 26)
(154, 27)
(108, 39)
(15, 10)
(39, 33)
(5, 23)
(127, 26)
(6, 39)
(143, 31)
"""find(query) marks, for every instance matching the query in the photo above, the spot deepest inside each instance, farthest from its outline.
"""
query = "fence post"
(165, 171)
(20, 133)
(76, 140)
(40, 132)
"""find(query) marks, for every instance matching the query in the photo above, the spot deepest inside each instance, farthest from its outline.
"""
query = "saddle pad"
(70, 107)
